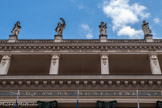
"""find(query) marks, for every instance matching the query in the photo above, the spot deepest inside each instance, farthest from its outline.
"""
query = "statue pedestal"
(58, 38)
(149, 38)
(103, 38)
(12, 39)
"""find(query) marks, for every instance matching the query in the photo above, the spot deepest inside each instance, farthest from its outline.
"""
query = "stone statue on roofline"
(60, 27)
(16, 30)
(146, 29)
(103, 29)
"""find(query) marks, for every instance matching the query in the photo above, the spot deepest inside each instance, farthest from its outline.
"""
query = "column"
(154, 64)
(104, 64)
(5, 64)
(54, 65)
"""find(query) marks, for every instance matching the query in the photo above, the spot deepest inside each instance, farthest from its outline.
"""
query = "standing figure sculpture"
(146, 29)
(60, 27)
(103, 28)
(16, 30)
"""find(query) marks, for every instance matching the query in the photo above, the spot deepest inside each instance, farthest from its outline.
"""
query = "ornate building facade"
(103, 70)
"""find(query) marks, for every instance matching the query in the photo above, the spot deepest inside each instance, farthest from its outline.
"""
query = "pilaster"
(54, 65)
(104, 64)
(154, 64)
(5, 64)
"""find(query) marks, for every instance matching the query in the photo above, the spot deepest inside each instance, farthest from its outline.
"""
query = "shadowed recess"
(85, 64)
(0, 58)
(160, 60)
(129, 64)
(30, 65)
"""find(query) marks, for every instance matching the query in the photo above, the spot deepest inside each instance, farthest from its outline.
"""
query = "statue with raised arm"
(103, 28)
(16, 30)
(60, 27)
(146, 29)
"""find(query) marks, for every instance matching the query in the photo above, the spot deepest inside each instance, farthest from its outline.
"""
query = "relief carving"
(54, 59)
(154, 59)
(104, 59)
(155, 62)
(4, 60)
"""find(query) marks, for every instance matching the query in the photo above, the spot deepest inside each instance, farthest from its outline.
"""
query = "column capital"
(55, 55)
(6, 57)
(153, 55)
(6, 54)
(104, 55)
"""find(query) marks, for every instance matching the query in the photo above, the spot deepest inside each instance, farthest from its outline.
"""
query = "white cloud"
(85, 27)
(89, 36)
(156, 20)
(88, 31)
(132, 33)
(123, 14)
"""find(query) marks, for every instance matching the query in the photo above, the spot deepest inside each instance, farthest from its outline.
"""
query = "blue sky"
(39, 18)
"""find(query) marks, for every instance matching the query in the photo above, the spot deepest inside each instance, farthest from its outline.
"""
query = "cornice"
(79, 46)
(105, 82)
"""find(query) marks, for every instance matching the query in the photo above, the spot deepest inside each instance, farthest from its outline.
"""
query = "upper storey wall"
(129, 64)
(29, 65)
(80, 65)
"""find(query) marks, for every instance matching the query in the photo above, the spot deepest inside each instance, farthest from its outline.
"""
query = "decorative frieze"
(108, 82)
(142, 83)
(77, 82)
(20, 83)
(36, 83)
(45, 83)
(134, 83)
(81, 48)
(118, 83)
(4, 83)
(126, 83)
(6, 104)
(93, 83)
(82, 93)
(85, 82)
(102, 82)
(28, 83)
(159, 83)
(52, 83)
(69, 83)
(61, 82)
(150, 83)
(12, 83)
